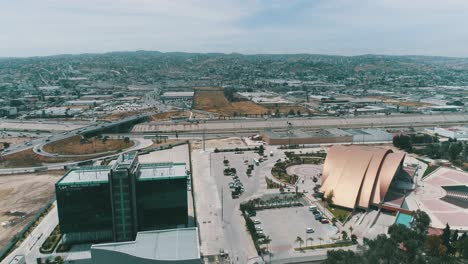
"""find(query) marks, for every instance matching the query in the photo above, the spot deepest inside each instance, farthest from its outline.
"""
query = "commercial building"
(113, 203)
(359, 176)
(156, 247)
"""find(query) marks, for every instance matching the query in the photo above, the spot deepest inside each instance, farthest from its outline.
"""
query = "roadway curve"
(139, 144)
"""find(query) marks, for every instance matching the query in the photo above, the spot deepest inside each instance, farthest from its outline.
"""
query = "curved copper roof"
(359, 175)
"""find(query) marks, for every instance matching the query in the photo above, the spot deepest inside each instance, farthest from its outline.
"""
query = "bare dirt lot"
(27, 158)
(286, 108)
(75, 146)
(213, 100)
(169, 115)
(21, 196)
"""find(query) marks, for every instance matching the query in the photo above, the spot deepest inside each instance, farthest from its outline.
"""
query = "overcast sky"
(344, 27)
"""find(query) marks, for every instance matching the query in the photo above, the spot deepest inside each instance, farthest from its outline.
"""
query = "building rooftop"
(125, 161)
(178, 94)
(148, 171)
(169, 245)
(93, 174)
(162, 171)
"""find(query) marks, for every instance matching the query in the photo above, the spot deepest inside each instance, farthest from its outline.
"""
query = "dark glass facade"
(84, 208)
(162, 203)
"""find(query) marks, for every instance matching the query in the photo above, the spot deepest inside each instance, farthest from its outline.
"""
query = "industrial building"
(452, 132)
(113, 203)
(359, 176)
(324, 136)
(177, 96)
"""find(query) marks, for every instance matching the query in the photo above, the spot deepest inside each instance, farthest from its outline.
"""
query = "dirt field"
(21, 196)
(27, 158)
(213, 100)
(73, 146)
(284, 109)
(169, 115)
(232, 142)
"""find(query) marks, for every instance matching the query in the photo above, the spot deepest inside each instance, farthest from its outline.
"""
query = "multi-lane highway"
(255, 125)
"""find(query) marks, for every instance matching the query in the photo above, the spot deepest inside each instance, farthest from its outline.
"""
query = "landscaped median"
(332, 245)
(51, 242)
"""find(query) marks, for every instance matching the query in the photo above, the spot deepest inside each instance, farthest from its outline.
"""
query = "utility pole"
(203, 139)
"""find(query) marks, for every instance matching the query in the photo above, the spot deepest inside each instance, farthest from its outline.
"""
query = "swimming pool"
(404, 219)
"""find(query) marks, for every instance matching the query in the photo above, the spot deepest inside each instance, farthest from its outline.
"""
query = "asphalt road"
(313, 122)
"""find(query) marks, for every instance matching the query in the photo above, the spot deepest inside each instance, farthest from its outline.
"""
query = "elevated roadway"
(80, 130)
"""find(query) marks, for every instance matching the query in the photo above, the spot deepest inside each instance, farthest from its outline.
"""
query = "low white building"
(452, 132)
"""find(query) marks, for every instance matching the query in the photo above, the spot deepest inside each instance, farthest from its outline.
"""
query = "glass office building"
(113, 203)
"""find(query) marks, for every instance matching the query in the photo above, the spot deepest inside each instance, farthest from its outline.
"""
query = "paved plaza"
(429, 194)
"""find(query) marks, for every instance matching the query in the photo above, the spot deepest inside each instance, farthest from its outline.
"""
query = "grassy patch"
(76, 146)
(338, 212)
(429, 170)
(271, 184)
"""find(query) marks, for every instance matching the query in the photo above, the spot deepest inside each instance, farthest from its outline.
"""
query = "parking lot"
(284, 225)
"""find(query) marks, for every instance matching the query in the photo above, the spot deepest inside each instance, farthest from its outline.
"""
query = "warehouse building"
(177, 96)
(114, 203)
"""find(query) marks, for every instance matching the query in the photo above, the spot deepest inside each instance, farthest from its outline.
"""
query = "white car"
(257, 222)
(309, 230)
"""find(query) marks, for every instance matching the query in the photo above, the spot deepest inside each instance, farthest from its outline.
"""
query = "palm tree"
(311, 240)
(300, 241)
(321, 239)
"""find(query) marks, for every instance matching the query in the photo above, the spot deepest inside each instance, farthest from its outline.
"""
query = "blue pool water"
(404, 219)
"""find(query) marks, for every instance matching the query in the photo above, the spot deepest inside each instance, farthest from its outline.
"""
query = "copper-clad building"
(359, 176)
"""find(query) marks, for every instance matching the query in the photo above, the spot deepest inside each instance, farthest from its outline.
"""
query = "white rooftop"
(169, 245)
(86, 174)
(162, 170)
(178, 94)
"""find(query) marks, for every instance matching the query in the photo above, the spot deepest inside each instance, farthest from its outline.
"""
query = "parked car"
(318, 216)
(256, 221)
(258, 228)
(324, 221)
(309, 230)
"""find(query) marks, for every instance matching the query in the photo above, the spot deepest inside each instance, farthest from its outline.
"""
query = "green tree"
(435, 247)
(329, 197)
(344, 235)
(454, 150)
(420, 223)
(343, 257)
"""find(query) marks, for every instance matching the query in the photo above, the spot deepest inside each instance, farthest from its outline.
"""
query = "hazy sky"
(345, 27)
